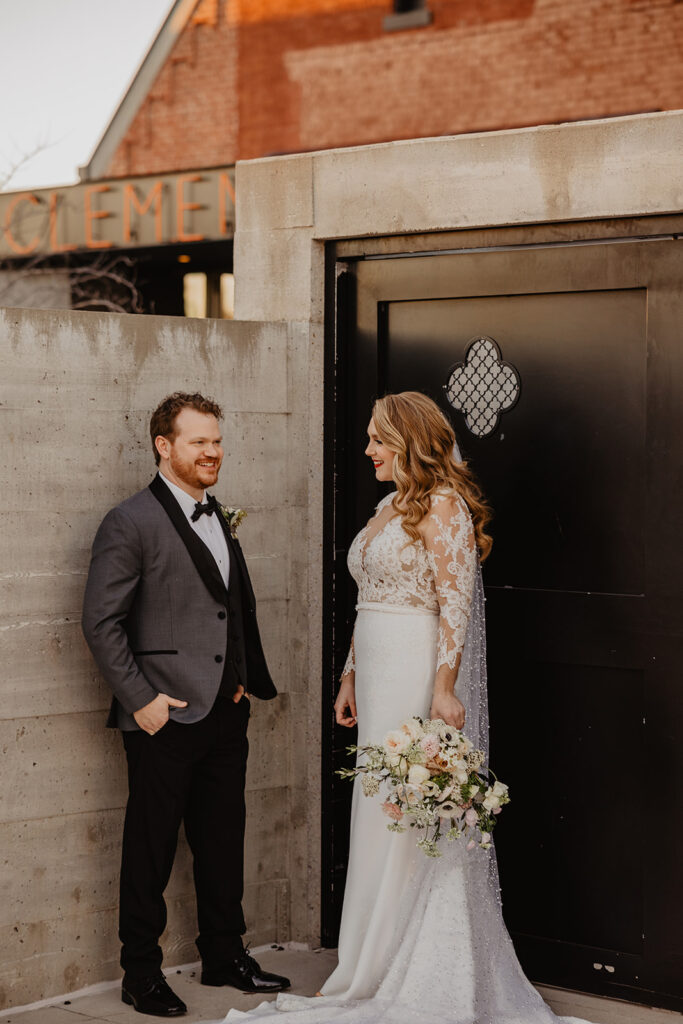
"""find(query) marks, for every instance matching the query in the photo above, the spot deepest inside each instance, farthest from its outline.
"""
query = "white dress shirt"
(207, 528)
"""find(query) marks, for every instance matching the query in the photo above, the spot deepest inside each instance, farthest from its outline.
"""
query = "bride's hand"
(346, 701)
(449, 708)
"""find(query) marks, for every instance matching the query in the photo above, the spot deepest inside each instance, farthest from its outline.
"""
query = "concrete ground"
(307, 970)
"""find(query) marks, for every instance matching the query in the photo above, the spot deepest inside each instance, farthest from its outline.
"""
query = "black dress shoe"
(244, 973)
(152, 995)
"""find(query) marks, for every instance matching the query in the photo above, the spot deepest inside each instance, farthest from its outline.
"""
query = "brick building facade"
(251, 78)
(231, 80)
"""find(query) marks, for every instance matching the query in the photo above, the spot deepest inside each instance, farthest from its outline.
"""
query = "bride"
(422, 940)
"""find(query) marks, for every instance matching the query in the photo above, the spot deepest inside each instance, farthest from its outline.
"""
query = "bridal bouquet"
(436, 781)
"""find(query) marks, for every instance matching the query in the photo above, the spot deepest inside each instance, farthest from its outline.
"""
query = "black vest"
(234, 673)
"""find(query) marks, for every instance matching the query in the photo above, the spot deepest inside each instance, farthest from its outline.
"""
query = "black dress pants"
(193, 773)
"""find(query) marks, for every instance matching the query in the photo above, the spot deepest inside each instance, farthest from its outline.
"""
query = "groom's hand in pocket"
(345, 704)
(154, 715)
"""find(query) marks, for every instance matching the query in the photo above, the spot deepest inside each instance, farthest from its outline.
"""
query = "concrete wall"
(75, 398)
(37, 288)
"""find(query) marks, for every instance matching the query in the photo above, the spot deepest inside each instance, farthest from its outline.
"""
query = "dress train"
(422, 940)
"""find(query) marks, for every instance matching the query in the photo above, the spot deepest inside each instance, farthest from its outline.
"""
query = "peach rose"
(397, 741)
(392, 810)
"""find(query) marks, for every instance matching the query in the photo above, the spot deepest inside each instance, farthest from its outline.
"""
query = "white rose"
(418, 774)
(491, 801)
(398, 762)
(413, 729)
(500, 789)
(396, 742)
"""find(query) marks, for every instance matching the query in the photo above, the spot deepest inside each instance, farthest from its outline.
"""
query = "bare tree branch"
(13, 167)
(105, 281)
(107, 304)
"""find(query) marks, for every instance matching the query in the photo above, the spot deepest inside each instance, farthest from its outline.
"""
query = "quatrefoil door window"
(483, 386)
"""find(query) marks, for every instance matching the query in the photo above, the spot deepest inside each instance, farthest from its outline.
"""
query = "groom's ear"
(162, 445)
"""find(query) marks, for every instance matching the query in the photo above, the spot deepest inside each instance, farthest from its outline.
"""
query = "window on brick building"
(407, 14)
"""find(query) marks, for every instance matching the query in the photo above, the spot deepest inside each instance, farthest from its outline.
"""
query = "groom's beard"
(190, 472)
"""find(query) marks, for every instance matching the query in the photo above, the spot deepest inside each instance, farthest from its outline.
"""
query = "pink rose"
(471, 844)
(430, 744)
(471, 817)
(392, 811)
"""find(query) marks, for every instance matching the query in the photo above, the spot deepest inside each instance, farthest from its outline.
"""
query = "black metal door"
(585, 583)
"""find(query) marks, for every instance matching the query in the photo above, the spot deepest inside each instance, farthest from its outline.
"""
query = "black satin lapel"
(204, 562)
(237, 558)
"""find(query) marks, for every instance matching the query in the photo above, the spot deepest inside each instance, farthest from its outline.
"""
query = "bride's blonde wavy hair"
(413, 427)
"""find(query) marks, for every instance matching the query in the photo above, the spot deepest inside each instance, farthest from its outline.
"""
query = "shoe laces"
(248, 959)
(163, 983)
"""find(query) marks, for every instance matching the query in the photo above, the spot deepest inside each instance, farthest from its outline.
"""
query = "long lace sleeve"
(451, 550)
(350, 665)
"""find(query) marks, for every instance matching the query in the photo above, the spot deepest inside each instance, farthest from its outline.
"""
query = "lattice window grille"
(483, 386)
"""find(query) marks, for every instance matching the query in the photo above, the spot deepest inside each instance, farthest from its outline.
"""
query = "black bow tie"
(209, 508)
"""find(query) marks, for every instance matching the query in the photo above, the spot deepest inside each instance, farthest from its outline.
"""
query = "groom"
(169, 616)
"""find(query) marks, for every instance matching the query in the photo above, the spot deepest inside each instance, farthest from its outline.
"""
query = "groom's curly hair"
(162, 423)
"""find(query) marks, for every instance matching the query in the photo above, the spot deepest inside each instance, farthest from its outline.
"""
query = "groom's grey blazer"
(158, 617)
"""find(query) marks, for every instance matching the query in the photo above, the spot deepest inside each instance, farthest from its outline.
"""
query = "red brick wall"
(189, 118)
(250, 78)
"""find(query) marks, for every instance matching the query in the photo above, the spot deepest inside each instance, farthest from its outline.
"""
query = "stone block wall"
(75, 397)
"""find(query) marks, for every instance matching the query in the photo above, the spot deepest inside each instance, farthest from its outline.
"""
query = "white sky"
(64, 67)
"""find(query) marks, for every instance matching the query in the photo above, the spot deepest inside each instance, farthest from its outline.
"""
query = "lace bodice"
(436, 575)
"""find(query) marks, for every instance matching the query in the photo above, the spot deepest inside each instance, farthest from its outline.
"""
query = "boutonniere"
(233, 517)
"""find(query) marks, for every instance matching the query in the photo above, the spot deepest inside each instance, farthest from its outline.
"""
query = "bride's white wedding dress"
(422, 940)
